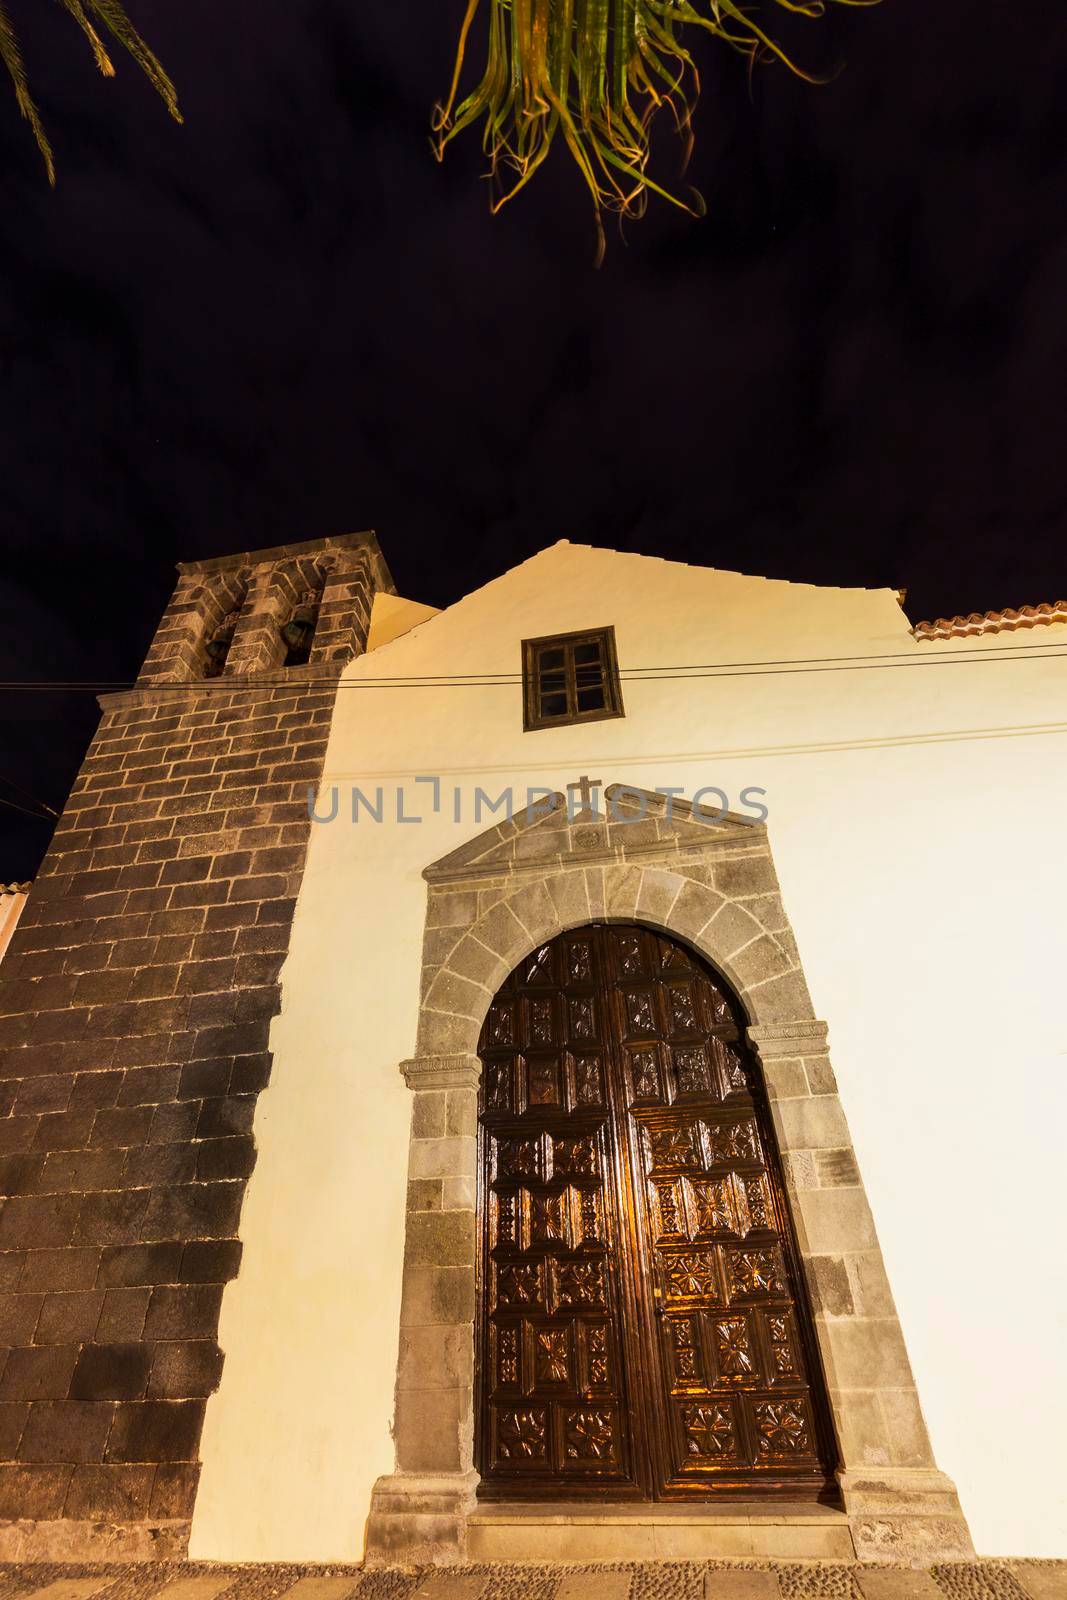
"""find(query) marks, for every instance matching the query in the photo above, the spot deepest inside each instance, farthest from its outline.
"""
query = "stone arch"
(647, 860)
(686, 909)
(729, 912)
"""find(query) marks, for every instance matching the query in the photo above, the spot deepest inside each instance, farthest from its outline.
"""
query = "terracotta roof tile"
(1006, 621)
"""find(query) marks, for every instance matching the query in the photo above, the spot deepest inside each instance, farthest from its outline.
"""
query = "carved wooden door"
(641, 1332)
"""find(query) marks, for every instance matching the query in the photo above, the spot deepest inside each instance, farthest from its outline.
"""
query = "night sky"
(285, 320)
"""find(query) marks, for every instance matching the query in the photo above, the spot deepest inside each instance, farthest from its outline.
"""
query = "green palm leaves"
(595, 72)
(110, 15)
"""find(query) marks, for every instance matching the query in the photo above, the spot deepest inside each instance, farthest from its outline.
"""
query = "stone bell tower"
(136, 998)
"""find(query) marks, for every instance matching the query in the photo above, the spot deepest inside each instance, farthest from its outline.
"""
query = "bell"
(222, 638)
(300, 628)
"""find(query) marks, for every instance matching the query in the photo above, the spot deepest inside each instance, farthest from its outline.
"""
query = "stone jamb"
(345, 606)
(714, 887)
(197, 607)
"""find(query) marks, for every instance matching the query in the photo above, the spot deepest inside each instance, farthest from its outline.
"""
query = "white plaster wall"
(915, 818)
(12, 899)
(392, 616)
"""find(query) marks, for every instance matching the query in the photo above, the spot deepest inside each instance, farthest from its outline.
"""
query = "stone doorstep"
(579, 1512)
(654, 1548)
(663, 1532)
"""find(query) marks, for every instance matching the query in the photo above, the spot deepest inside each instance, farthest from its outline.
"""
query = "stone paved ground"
(670, 1580)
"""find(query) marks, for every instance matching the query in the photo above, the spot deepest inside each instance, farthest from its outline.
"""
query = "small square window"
(572, 677)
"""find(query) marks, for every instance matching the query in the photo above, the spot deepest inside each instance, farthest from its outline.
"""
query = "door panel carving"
(642, 1330)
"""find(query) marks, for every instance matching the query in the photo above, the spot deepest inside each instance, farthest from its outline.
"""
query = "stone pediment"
(556, 829)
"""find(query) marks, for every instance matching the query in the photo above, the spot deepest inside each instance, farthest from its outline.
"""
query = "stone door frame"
(712, 885)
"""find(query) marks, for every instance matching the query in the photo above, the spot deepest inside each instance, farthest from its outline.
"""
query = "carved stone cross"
(585, 787)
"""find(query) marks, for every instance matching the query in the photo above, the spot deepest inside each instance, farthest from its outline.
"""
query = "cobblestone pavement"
(669, 1580)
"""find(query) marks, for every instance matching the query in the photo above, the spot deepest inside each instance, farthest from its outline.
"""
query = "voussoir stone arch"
(757, 958)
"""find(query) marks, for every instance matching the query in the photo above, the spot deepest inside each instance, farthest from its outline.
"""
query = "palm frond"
(596, 72)
(113, 17)
(103, 60)
(120, 27)
(11, 56)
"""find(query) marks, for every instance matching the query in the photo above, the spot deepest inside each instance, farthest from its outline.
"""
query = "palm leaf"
(112, 16)
(118, 24)
(103, 60)
(598, 72)
(12, 59)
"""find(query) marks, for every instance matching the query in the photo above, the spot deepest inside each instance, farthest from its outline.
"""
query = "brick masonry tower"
(135, 1004)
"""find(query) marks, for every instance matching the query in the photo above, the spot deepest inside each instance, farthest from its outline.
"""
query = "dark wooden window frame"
(568, 644)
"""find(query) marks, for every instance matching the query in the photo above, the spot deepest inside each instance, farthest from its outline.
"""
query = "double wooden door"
(642, 1331)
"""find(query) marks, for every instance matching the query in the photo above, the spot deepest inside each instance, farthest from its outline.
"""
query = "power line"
(242, 685)
(24, 809)
(858, 666)
(27, 796)
(885, 655)
(773, 666)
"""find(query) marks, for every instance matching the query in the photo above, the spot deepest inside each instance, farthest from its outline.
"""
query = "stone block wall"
(135, 1004)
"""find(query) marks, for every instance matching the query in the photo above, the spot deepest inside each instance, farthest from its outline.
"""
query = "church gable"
(658, 608)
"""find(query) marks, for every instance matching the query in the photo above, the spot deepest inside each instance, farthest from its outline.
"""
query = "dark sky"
(285, 320)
